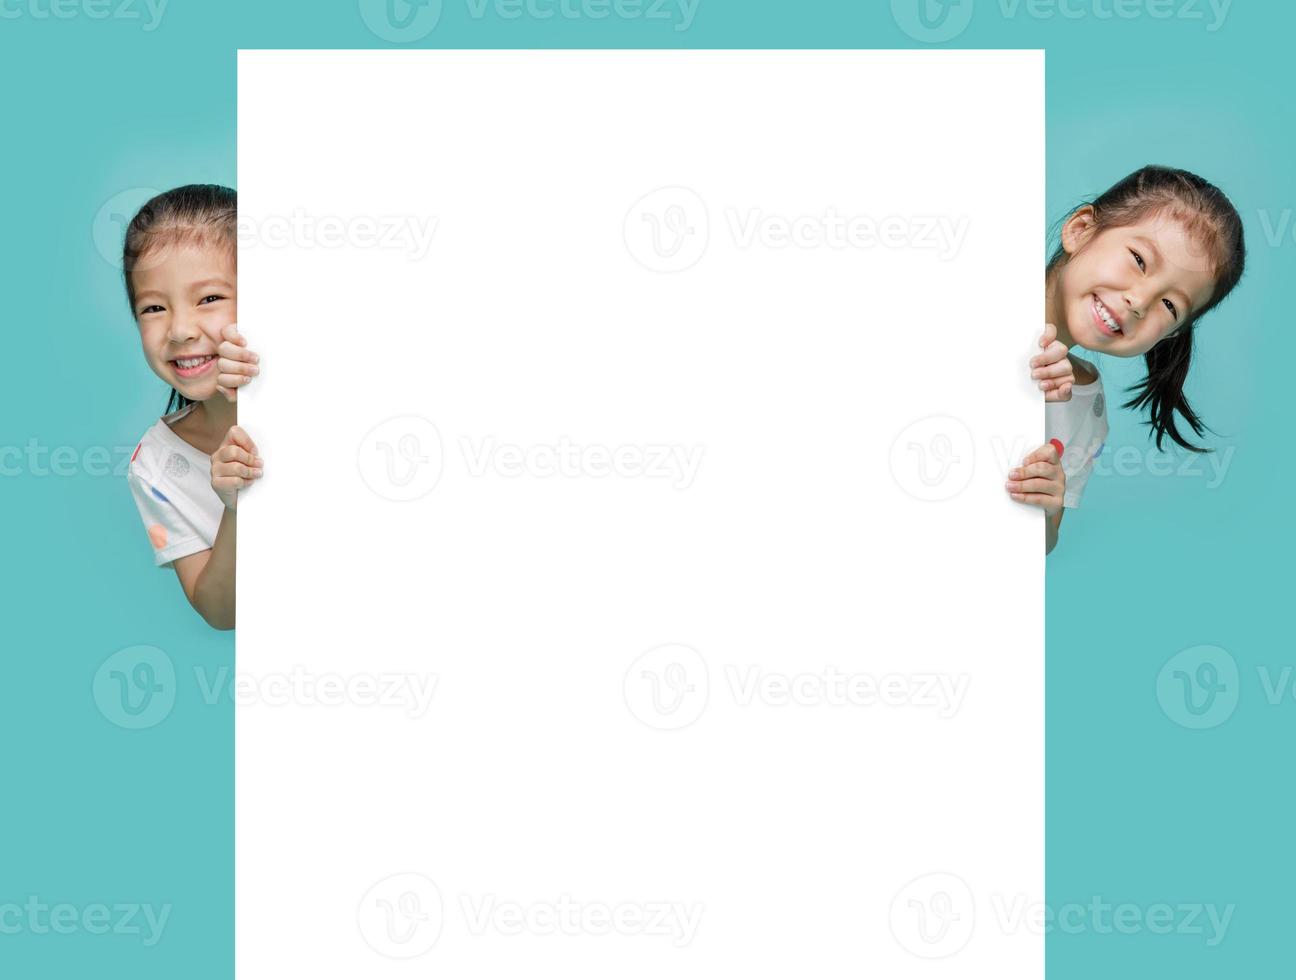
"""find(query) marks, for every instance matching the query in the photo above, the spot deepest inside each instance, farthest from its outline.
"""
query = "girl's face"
(1123, 289)
(183, 299)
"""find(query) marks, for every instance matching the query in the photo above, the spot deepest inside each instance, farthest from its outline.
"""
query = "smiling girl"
(179, 263)
(1134, 273)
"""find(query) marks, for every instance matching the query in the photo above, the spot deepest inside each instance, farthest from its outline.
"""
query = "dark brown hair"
(202, 214)
(1211, 221)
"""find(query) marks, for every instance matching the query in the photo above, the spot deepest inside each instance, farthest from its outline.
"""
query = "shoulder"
(156, 444)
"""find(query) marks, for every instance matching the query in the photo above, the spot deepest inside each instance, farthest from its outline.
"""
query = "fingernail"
(1043, 386)
(1037, 373)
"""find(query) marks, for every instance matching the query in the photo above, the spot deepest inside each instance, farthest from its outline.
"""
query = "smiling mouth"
(1107, 323)
(191, 367)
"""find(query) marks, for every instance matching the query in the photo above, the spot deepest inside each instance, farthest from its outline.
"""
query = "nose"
(182, 330)
(1135, 304)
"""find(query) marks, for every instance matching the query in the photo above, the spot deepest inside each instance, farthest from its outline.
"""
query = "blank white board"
(632, 591)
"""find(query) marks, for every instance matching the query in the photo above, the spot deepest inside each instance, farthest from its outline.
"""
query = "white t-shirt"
(171, 483)
(1081, 426)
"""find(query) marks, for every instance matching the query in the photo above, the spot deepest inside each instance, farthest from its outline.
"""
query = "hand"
(234, 466)
(1039, 480)
(236, 365)
(1052, 368)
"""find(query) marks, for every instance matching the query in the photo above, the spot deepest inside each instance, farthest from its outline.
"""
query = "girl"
(179, 264)
(1135, 271)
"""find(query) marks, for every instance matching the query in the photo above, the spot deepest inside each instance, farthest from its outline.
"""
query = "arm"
(208, 576)
(1052, 523)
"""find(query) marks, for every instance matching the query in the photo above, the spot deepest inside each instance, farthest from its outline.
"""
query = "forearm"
(1052, 523)
(213, 594)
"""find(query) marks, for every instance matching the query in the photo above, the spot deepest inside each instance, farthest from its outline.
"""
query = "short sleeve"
(169, 532)
(1076, 482)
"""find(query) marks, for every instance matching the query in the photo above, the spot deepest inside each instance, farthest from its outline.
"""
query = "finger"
(1058, 369)
(1049, 335)
(233, 453)
(233, 380)
(1035, 485)
(234, 352)
(1048, 470)
(1062, 394)
(238, 435)
(230, 333)
(1055, 351)
(228, 483)
(229, 395)
(1047, 453)
(1036, 500)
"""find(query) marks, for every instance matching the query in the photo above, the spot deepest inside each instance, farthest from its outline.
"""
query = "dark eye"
(1171, 307)
(151, 309)
(1139, 259)
(209, 299)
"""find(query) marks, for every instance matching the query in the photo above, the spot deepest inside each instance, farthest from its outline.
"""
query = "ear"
(1079, 228)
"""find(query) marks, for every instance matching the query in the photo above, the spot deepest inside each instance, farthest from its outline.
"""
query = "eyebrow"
(1187, 300)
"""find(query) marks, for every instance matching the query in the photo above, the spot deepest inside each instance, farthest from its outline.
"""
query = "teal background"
(1140, 808)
